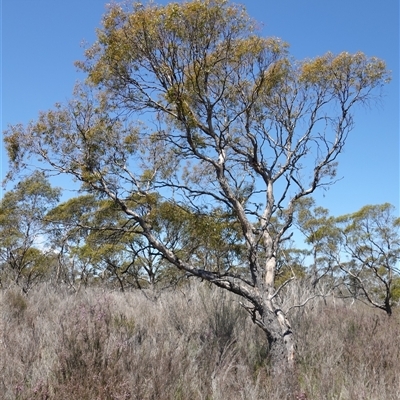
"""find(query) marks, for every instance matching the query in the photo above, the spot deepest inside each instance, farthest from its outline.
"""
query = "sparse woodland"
(196, 145)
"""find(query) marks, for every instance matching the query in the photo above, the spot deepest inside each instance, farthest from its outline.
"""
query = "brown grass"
(192, 343)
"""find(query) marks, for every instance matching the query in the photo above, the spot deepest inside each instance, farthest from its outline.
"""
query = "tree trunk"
(280, 339)
(281, 350)
(274, 321)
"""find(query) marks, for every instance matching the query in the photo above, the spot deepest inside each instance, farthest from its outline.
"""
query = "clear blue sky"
(41, 39)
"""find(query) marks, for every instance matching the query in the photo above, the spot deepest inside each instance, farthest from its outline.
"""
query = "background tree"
(67, 229)
(231, 122)
(25, 257)
(371, 239)
(322, 236)
(95, 242)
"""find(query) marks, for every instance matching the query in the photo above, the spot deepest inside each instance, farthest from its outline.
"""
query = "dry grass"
(194, 343)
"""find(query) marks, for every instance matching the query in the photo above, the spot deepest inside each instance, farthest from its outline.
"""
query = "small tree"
(322, 237)
(371, 238)
(23, 255)
(231, 123)
(67, 227)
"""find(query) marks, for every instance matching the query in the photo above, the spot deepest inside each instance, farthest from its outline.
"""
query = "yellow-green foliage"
(344, 70)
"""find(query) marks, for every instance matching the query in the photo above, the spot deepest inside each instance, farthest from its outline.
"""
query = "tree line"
(88, 241)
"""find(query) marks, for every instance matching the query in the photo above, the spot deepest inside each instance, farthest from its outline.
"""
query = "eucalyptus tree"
(24, 254)
(188, 101)
(96, 243)
(68, 227)
(322, 236)
(370, 238)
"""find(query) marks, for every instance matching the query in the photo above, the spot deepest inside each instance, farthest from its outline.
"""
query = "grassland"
(188, 343)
